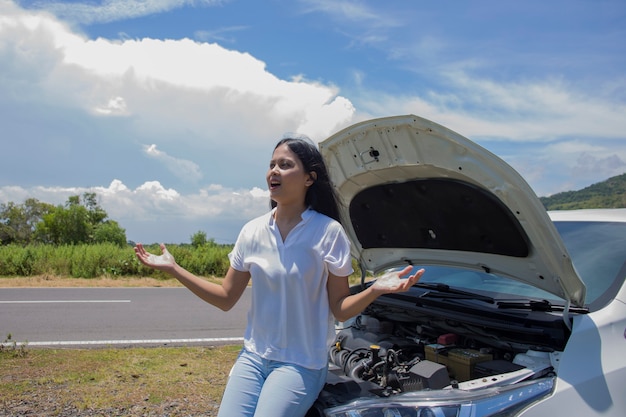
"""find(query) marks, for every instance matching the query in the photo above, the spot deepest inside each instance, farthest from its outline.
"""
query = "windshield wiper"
(444, 291)
(539, 305)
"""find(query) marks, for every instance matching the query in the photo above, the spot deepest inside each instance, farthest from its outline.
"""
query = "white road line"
(61, 301)
(135, 342)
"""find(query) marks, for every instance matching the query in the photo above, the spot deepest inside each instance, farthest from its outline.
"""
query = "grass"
(181, 381)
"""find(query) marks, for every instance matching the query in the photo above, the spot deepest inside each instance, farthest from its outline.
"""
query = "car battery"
(461, 362)
(437, 353)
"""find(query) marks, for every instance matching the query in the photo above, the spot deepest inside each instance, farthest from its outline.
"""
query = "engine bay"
(389, 350)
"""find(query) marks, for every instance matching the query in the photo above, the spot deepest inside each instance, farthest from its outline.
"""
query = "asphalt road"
(92, 317)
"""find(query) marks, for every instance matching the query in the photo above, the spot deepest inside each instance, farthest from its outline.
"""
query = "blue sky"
(169, 109)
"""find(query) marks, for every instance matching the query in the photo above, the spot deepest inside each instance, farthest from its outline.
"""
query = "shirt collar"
(306, 215)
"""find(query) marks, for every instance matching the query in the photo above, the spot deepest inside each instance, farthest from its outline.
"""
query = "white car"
(520, 312)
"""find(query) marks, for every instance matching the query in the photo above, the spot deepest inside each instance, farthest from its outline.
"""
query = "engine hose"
(338, 357)
(351, 363)
(378, 365)
(353, 358)
(357, 371)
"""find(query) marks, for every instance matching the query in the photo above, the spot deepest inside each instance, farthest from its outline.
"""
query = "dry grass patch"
(49, 281)
(173, 381)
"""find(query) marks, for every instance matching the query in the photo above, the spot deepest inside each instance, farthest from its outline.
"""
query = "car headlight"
(489, 402)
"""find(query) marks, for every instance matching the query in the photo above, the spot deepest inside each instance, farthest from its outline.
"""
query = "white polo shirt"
(290, 318)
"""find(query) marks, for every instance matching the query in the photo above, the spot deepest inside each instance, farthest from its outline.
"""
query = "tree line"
(610, 193)
(81, 220)
(78, 239)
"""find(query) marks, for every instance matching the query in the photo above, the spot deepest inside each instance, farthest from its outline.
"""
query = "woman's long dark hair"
(320, 196)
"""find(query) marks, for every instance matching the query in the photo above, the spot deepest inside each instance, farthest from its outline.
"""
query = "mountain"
(610, 193)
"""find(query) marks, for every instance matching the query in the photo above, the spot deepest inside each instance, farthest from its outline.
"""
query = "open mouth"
(274, 185)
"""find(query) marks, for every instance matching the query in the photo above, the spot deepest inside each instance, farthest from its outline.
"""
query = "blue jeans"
(264, 388)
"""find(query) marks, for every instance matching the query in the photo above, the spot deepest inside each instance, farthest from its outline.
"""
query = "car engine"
(380, 353)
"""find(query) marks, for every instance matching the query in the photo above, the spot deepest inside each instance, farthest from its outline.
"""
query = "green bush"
(204, 260)
(11, 260)
(106, 259)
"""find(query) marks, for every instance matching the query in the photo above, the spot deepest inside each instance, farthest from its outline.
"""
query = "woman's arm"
(223, 296)
(343, 305)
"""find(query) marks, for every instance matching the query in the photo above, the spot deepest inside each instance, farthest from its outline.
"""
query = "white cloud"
(353, 11)
(152, 205)
(221, 35)
(539, 109)
(567, 164)
(515, 111)
(208, 77)
(165, 86)
(588, 164)
(589, 160)
(112, 10)
(115, 106)
(183, 169)
(143, 211)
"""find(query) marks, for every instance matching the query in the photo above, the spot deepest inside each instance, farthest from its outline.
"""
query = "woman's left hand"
(396, 284)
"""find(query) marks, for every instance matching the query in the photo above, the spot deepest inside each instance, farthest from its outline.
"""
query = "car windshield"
(488, 284)
(598, 251)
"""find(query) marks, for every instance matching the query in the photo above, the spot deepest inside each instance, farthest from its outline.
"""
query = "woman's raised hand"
(164, 262)
(392, 282)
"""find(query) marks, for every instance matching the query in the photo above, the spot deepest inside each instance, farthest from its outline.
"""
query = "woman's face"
(287, 180)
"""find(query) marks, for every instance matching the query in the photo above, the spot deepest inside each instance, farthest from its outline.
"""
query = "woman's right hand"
(164, 262)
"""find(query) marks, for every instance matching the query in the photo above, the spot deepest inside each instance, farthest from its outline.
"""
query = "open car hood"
(415, 192)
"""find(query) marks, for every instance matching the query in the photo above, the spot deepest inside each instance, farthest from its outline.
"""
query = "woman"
(298, 257)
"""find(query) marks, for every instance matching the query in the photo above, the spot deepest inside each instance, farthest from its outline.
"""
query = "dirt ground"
(64, 282)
